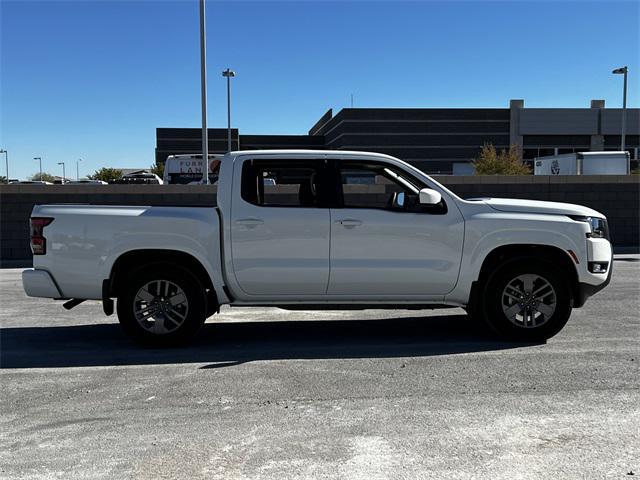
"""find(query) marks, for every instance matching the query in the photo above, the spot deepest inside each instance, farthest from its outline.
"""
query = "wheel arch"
(513, 252)
(134, 259)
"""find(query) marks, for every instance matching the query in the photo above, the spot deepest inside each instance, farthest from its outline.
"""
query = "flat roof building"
(436, 140)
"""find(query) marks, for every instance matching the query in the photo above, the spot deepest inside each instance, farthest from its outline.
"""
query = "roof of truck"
(328, 153)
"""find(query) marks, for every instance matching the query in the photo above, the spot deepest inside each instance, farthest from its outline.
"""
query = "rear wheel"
(162, 305)
(527, 300)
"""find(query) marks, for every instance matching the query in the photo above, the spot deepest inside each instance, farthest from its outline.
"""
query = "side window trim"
(401, 180)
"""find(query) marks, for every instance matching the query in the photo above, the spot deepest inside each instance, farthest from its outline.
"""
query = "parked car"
(315, 241)
(30, 182)
(139, 179)
(85, 181)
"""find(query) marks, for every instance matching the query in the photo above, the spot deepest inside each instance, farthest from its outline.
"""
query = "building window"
(531, 153)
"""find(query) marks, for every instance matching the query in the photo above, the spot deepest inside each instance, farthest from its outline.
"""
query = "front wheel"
(161, 305)
(527, 300)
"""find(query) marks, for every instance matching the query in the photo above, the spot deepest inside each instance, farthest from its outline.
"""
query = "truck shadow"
(227, 344)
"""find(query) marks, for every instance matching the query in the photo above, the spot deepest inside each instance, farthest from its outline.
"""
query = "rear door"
(280, 228)
(383, 243)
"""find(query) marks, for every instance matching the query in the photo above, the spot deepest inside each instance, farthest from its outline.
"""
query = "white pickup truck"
(328, 230)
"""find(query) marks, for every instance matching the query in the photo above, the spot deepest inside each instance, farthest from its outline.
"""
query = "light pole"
(78, 168)
(203, 87)
(623, 71)
(63, 172)
(40, 160)
(229, 74)
(6, 161)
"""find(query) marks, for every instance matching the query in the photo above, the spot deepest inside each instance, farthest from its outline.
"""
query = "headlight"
(598, 226)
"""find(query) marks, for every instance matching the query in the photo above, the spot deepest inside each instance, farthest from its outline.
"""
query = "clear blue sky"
(93, 79)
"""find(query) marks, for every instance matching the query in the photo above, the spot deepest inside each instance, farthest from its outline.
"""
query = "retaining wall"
(618, 197)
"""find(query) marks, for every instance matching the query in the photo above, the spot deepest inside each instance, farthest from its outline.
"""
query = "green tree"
(158, 169)
(504, 162)
(45, 177)
(3, 179)
(106, 174)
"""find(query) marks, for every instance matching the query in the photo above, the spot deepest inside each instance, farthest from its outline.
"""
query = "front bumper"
(586, 290)
(40, 283)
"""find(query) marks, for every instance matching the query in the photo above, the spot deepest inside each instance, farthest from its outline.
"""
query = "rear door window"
(285, 183)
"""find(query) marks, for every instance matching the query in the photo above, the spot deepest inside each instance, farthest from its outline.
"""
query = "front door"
(280, 228)
(383, 243)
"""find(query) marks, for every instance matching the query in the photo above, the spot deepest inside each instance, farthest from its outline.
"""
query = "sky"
(94, 79)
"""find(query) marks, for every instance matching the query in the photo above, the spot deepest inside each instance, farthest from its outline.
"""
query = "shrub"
(504, 162)
(106, 174)
(45, 177)
(157, 169)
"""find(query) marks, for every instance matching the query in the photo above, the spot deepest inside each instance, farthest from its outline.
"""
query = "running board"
(351, 306)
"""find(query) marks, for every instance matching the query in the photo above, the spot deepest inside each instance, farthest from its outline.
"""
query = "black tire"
(174, 325)
(538, 329)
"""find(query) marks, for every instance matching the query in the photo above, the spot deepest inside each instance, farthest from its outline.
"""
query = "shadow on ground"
(627, 259)
(227, 344)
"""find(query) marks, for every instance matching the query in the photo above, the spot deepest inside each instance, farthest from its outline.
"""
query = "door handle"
(249, 222)
(349, 222)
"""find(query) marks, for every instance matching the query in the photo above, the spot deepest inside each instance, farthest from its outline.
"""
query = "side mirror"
(398, 201)
(429, 196)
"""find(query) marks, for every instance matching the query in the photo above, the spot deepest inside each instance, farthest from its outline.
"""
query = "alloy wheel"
(529, 300)
(160, 306)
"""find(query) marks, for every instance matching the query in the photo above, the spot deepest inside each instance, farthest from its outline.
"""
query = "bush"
(505, 162)
(45, 177)
(106, 174)
(157, 169)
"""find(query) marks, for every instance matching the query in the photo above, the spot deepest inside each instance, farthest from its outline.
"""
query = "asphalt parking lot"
(266, 393)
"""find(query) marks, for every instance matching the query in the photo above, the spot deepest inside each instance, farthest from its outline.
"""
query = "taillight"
(38, 242)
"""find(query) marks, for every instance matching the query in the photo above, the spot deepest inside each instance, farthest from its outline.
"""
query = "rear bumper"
(40, 283)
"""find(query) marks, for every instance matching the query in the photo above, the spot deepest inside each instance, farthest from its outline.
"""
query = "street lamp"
(229, 74)
(40, 160)
(203, 88)
(6, 161)
(78, 168)
(63, 172)
(623, 71)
